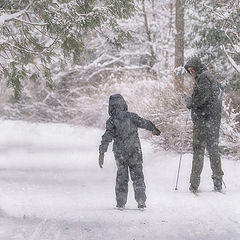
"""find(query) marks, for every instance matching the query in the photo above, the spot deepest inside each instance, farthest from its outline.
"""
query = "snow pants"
(121, 189)
(205, 136)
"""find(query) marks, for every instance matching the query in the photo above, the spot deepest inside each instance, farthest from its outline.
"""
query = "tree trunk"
(149, 38)
(170, 27)
(179, 43)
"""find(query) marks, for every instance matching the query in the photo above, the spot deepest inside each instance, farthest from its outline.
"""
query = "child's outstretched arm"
(106, 139)
(146, 124)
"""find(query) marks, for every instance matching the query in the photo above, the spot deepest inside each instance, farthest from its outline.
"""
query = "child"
(122, 127)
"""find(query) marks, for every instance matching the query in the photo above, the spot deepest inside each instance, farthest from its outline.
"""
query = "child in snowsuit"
(122, 127)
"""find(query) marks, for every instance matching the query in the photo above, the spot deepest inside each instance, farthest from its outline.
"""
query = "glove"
(101, 159)
(156, 132)
(188, 101)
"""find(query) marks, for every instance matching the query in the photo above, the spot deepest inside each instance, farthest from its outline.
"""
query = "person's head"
(192, 72)
(116, 104)
(194, 66)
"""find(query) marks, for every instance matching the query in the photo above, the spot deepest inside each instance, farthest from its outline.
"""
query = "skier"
(206, 108)
(122, 128)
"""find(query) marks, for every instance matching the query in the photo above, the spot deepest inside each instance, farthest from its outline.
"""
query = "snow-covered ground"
(52, 188)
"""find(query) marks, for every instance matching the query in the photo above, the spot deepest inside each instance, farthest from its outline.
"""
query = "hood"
(116, 104)
(196, 64)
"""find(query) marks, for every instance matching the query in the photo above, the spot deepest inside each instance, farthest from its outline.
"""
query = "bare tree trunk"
(179, 43)
(154, 10)
(148, 34)
(154, 15)
(170, 27)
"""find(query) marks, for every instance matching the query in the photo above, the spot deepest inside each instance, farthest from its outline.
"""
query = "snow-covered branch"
(9, 17)
(30, 23)
(233, 63)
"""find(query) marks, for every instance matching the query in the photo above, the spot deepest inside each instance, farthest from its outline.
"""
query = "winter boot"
(193, 188)
(120, 207)
(141, 205)
(217, 182)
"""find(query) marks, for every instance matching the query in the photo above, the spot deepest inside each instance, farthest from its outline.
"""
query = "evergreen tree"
(215, 33)
(36, 34)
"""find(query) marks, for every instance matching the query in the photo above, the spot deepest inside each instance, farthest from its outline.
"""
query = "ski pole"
(224, 184)
(180, 160)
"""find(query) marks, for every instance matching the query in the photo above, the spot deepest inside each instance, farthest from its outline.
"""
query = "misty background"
(60, 60)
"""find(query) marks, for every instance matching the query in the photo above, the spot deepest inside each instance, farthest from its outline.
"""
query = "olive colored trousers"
(205, 136)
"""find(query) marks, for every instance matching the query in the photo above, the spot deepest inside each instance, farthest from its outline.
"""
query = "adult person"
(206, 107)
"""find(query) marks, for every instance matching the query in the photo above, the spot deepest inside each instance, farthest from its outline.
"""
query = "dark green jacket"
(207, 93)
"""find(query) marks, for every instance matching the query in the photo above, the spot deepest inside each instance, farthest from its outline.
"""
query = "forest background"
(60, 60)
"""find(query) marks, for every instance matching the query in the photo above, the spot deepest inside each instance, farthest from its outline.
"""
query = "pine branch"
(30, 23)
(9, 17)
(21, 48)
(232, 62)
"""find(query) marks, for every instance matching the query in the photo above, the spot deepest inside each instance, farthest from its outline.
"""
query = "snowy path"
(51, 188)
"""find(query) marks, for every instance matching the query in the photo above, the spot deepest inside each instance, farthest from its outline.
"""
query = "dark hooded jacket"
(122, 128)
(207, 93)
